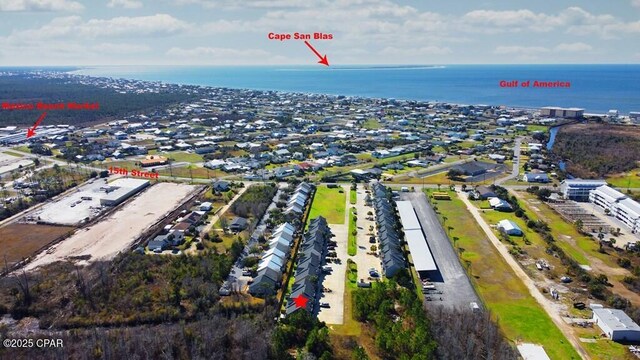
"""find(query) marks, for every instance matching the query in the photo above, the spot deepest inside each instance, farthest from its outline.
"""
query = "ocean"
(596, 88)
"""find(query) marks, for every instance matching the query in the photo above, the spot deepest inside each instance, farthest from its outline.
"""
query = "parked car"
(324, 305)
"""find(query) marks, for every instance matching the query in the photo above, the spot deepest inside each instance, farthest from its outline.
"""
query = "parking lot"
(334, 281)
(449, 286)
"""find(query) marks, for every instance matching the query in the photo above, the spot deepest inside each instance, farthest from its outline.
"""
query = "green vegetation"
(252, 205)
(329, 203)
(408, 336)
(520, 316)
(134, 289)
(605, 349)
(182, 156)
(618, 149)
(533, 128)
(52, 181)
(630, 179)
(577, 245)
(352, 272)
(13, 154)
(371, 124)
(254, 201)
(23, 148)
(352, 246)
(353, 197)
(24, 88)
(303, 332)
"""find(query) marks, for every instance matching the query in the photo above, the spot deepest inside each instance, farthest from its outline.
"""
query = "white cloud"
(425, 50)
(158, 24)
(635, 3)
(573, 47)
(520, 50)
(40, 5)
(120, 48)
(511, 20)
(225, 56)
(211, 51)
(75, 27)
(532, 51)
(572, 20)
(127, 4)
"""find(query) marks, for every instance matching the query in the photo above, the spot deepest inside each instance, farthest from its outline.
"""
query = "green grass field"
(630, 179)
(329, 203)
(353, 197)
(519, 316)
(192, 170)
(352, 245)
(371, 124)
(537, 128)
(181, 156)
(13, 154)
(23, 149)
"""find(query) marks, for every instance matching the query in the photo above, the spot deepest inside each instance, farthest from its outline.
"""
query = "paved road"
(516, 162)
(530, 284)
(452, 280)
(432, 170)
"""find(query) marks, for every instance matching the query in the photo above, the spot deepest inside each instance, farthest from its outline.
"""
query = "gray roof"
(238, 221)
(616, 319)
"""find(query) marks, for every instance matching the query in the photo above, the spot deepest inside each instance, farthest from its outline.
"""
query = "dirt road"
(533, 290)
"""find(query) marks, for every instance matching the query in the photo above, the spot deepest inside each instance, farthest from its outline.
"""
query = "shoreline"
(528, 108)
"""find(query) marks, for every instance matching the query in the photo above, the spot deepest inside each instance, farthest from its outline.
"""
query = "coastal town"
(314, 198)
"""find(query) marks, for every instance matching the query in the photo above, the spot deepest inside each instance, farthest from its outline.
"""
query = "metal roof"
(422, 257)
(616, 319)
(408, 215)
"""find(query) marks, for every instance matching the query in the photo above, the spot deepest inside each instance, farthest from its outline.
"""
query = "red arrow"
(323, 59)
(32, 131)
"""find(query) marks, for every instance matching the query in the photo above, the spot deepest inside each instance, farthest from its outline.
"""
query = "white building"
(579, 189)
(617, 325)
(510, 227)
(619, 205)
(120, 190)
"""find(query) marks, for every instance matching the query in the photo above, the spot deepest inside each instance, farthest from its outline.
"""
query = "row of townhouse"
(311, 257)
(274, 260)
(388, 235)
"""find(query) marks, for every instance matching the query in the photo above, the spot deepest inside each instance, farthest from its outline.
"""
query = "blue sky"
(234, 32)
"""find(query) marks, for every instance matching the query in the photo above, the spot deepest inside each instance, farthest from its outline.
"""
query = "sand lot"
(10, 162)
(107, 238)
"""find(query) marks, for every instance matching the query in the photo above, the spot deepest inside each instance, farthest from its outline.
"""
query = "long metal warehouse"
(422, 257)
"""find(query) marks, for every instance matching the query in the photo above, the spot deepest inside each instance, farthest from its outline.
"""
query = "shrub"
(624, 262)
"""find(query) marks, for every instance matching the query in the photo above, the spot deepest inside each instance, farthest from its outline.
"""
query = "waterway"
(552, 139)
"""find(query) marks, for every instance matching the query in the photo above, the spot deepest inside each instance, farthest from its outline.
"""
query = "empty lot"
(9, 162)
(107, 238)
(19, 241)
